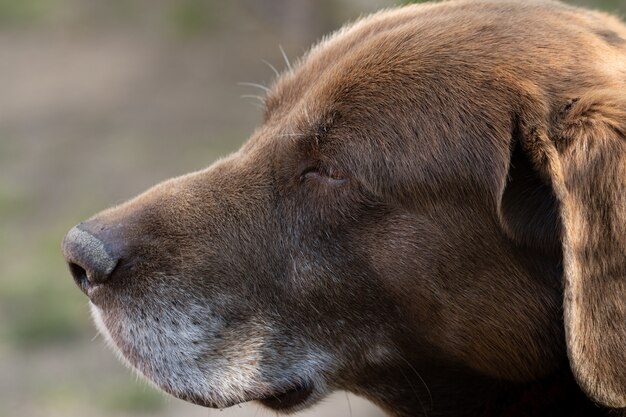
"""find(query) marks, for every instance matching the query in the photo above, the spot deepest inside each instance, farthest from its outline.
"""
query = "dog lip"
(92, 293)
(197, 400)
(280, 400)
(288, 399)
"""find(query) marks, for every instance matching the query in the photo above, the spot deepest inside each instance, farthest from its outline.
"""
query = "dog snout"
(91, 256)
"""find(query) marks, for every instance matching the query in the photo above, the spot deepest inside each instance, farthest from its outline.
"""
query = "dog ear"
(566, 196)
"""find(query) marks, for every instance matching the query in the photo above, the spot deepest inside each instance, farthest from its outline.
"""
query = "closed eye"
(323, 175)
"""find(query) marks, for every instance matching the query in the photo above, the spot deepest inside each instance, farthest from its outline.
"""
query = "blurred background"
(98, 101)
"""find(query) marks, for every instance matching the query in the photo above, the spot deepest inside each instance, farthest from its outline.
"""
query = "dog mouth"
(288, 399)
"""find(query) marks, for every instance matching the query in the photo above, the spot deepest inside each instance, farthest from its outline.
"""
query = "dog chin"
(284, 397)
(293, 399)
(285, 401)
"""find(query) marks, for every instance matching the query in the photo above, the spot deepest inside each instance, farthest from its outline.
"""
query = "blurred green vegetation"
(25, 11)
(55, 312)
(118, 396)
(187, 17)
(133, 397)
(607, 5)
(190, 17)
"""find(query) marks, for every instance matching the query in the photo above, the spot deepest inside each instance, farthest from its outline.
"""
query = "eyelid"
(319, 174)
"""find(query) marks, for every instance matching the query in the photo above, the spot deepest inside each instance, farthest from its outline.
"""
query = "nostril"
(80, 276)
(91, 257)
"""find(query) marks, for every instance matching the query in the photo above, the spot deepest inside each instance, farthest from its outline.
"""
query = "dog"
(432, 216)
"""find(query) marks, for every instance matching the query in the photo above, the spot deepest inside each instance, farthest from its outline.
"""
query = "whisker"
(414, 392)
(255, 104)
(261, 86)
(349, 405)
(282, 51)
(269, 64)
(261, 99)
(420, 378)
(260, 105)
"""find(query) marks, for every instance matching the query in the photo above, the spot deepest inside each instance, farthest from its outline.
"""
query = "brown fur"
(436, 201)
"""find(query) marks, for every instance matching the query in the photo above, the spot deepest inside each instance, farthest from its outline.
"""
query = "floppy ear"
(566, 196)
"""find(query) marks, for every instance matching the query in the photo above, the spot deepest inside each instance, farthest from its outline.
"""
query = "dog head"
(431, 190)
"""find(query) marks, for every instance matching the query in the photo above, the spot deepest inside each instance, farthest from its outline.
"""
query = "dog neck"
(403, 392)
(557, 395)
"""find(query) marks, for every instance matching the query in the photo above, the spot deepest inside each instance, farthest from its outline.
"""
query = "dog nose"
(91, 262)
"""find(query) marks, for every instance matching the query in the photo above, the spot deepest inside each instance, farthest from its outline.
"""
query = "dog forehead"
(382, 63)
(432, 40)
(340, 72)
(378, 78)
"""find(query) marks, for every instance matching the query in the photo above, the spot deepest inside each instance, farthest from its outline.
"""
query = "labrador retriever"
(432, 216)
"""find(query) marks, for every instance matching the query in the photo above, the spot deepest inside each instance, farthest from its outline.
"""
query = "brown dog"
(433, 216)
